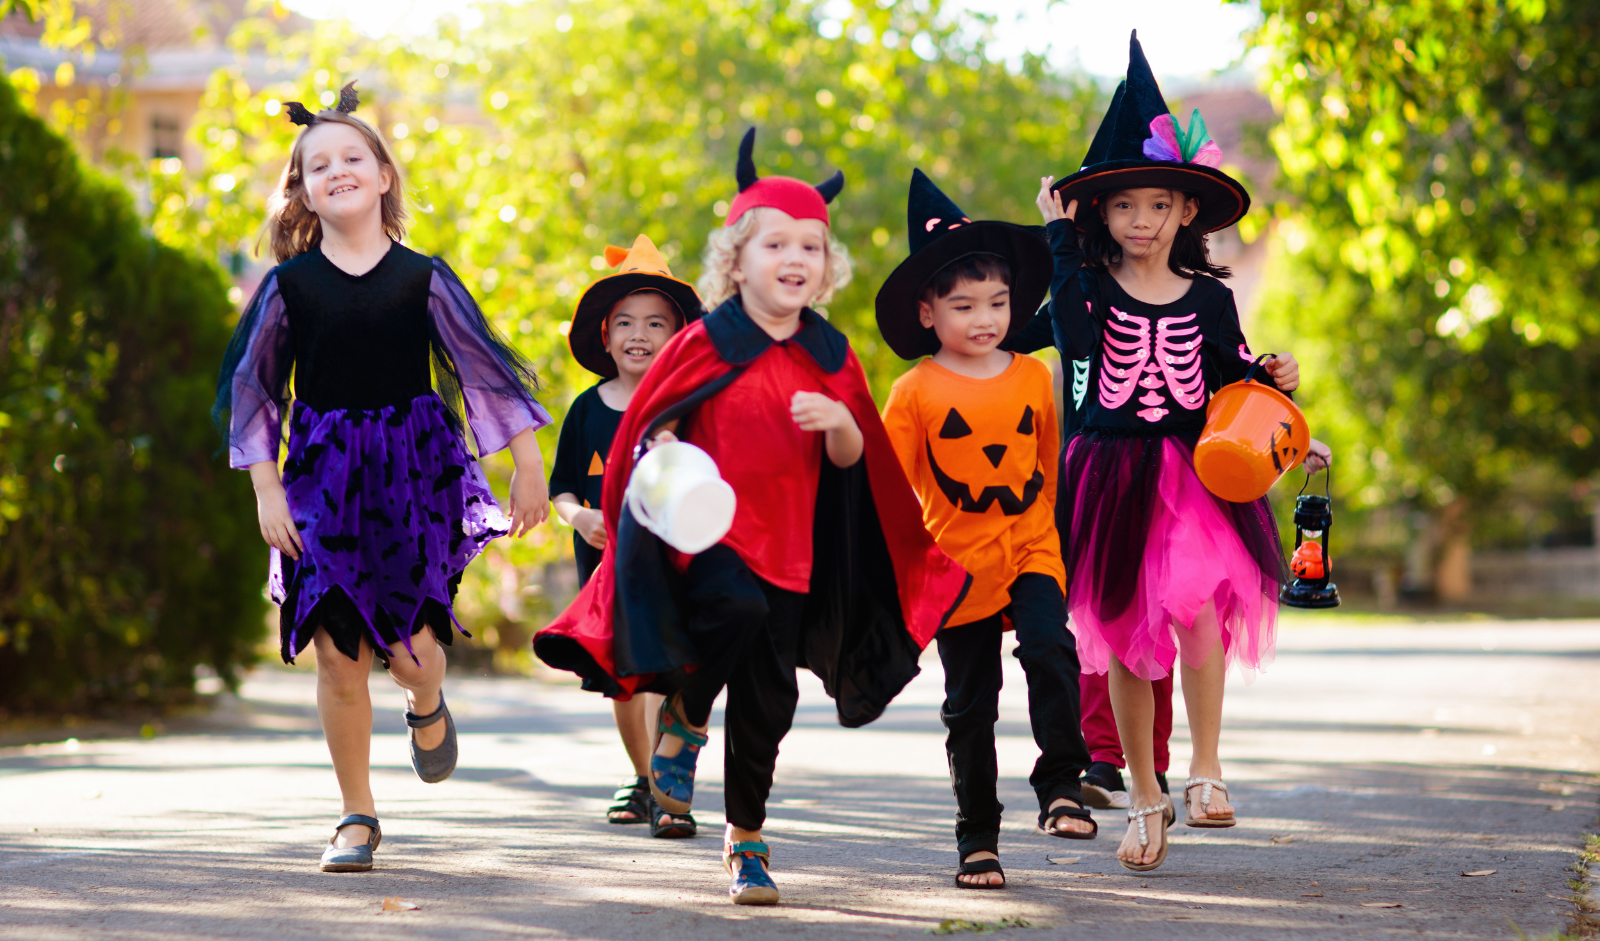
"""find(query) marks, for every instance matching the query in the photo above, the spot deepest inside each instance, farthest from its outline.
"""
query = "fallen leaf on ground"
(1380, 905)
(1558, 806)
(1316, 885)
(1311, 895)
(1283, 839)
(1479, 872)
(394, 903)
(1063, 860)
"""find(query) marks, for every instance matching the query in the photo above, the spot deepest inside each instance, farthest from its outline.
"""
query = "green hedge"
(129, 553)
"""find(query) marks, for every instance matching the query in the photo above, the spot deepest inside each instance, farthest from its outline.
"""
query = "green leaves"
(128, 555)
(1443, 182)
(536, 138)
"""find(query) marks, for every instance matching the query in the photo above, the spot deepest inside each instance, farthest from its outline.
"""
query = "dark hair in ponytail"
(1189, 256)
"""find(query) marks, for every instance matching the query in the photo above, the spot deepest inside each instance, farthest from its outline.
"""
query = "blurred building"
(139, 79)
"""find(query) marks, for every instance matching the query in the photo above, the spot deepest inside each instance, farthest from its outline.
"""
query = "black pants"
(746, 633)
(972, 679)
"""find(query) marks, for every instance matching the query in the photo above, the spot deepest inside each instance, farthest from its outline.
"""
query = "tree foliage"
(1444, 236)
(128, 555)
(534, 138)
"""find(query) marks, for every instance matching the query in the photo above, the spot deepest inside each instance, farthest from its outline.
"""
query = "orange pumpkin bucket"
(1254, 435)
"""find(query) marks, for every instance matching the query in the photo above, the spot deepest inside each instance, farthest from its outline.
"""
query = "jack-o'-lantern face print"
(975, 474)
(1284, 453)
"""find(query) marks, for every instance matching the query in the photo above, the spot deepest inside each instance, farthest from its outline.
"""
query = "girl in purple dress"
(380, 505)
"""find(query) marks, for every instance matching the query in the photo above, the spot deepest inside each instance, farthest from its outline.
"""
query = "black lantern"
(1312, 563)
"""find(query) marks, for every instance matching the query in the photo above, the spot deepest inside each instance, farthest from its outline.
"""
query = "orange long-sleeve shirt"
(982, 456)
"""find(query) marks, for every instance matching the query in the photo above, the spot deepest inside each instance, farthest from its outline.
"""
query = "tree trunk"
(1452, 576)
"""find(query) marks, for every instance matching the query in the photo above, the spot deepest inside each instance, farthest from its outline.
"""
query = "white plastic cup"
(677, 493)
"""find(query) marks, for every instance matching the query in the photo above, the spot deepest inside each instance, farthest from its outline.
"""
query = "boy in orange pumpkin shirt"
(975, 428)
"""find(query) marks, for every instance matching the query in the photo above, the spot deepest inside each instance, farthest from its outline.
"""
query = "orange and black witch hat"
(640, 268)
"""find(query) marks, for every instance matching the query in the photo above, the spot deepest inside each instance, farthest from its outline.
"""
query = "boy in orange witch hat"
(621, 322)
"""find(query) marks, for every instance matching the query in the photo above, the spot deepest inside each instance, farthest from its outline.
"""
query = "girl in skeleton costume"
(1157, 565)
(380, 505)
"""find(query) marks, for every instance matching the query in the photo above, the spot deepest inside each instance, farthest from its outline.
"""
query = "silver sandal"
(1144, 837)
(435, 764)
(352, 858)
(1208, 822)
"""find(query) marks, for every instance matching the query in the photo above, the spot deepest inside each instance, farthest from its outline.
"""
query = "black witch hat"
(1140, 143)
(940, 234)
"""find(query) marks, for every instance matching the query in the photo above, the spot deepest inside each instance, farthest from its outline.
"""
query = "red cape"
(880, 589)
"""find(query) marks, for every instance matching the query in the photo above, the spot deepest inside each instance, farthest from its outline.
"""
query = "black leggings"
(972, 679)
(746, 633)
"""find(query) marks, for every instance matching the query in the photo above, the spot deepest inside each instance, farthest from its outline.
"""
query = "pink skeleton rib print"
(1166, 359)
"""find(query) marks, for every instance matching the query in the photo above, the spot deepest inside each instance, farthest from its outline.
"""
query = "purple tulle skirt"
(1147, 547)
(391, 506)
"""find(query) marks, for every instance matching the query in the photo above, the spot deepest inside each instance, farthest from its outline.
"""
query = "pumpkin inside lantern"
(1312, 563)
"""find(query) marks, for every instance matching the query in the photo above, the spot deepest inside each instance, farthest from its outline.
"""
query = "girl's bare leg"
(634, 724)
(631, 725)
(1202, 698)
(1134, 706)
(345, 708)
(421, 679)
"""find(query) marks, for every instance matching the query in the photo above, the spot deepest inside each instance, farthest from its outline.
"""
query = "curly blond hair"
(292, 228)
(716, 284)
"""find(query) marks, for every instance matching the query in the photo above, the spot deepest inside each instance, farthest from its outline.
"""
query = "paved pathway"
(1373, 765)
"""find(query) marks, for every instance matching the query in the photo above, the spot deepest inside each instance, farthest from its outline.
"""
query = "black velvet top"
(360, 341)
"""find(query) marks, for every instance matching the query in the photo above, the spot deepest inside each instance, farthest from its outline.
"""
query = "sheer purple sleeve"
(493, 380)
(258, 387)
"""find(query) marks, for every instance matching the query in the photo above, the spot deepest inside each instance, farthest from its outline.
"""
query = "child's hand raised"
(1049, 203)
(1284, 370)
(813, 411)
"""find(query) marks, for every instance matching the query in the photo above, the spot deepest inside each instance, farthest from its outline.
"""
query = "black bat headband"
(348, 99)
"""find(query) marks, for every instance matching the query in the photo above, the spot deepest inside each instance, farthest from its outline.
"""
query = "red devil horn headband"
(348, 100)
(787, 194)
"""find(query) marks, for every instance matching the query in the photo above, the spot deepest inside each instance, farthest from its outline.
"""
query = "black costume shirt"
(360, 341)
(579, 466)
(1151, 367)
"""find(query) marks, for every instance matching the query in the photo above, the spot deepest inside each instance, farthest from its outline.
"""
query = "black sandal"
(1048, 818)
(677, 827)
(631, 798)
(978, 866)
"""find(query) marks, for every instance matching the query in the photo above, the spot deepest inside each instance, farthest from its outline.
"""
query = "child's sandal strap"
(350, 820)
(671, 724)
(760, 849)
(1206, 784)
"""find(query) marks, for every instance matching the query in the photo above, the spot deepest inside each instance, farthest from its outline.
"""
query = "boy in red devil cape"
(827, 564)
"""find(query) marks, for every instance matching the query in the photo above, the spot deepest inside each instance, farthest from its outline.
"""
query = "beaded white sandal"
(1208, 822)
(1144, 837)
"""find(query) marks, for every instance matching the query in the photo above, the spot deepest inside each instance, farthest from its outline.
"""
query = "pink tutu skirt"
(1148, 547)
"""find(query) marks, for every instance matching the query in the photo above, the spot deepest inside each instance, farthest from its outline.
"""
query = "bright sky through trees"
(1181, 37)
